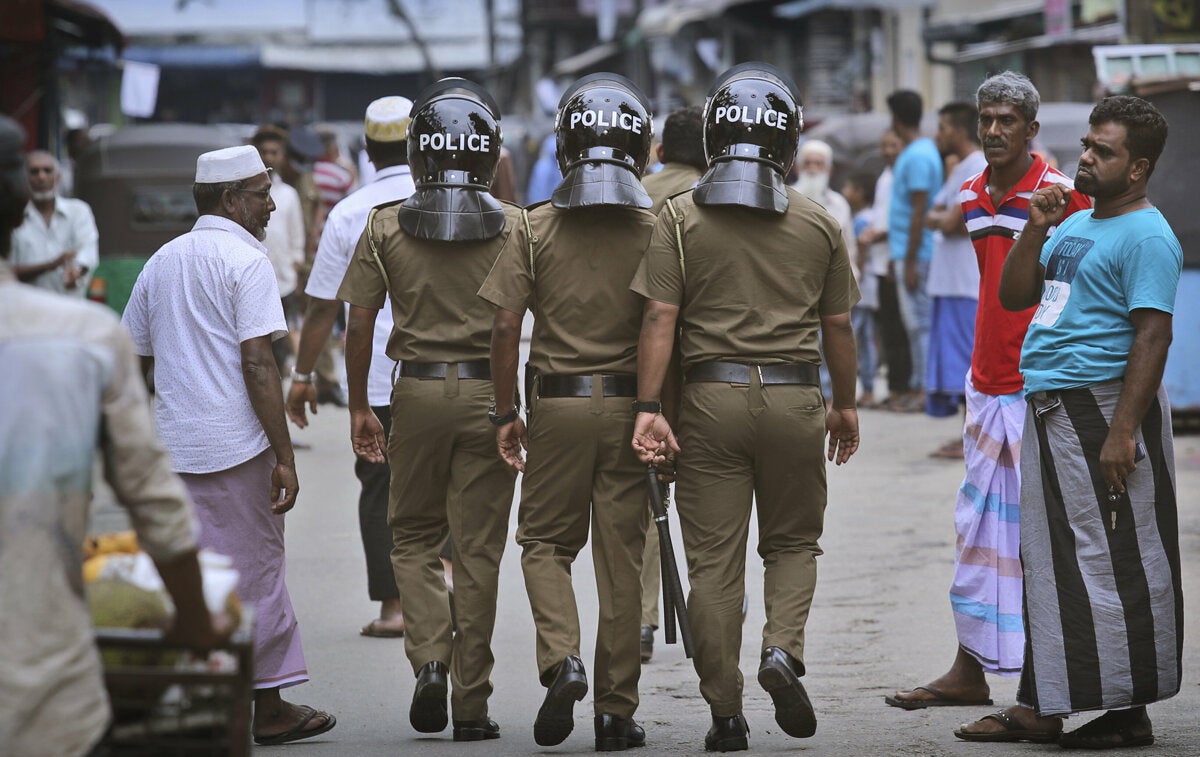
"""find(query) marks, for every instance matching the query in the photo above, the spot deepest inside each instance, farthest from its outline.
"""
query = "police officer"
(751, 271)
(430, 253)
(570, 263)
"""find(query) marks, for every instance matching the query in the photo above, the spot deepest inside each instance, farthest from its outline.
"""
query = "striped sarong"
(986, 592)
(1104, 607)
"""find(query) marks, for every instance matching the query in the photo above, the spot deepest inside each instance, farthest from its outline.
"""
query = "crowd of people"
(700, 320)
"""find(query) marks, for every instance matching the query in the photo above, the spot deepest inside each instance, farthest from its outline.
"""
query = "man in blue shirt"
(1099, 529)
(917, 178)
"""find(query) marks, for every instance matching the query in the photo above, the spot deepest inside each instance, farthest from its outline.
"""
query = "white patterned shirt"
(198, 298)
(342, 231)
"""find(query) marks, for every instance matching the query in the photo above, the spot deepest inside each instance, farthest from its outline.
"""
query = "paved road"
(880, 619)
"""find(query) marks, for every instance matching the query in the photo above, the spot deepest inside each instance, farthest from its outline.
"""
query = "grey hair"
(208, 196)
(1012, 88)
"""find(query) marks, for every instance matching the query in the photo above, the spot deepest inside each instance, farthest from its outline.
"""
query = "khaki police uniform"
(751, 288)
(446, 475)
(580, 467)
(672, 179)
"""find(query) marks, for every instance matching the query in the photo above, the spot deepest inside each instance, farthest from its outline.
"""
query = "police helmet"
(454, 136)
(753, 112)
(605, 118)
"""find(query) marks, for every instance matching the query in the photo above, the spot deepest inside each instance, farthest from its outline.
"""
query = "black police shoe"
(728, 734)
(778, 675)
(428, 711)
(647, 643)
(555, 718)
(476, 730)
(614, 734)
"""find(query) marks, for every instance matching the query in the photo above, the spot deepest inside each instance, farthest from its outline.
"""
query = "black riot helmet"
(752, 123)
(453, 148)
(753, 112)
(603, 132)
(454, 136)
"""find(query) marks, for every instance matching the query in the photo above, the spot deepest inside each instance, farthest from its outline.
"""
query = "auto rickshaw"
(138, 182)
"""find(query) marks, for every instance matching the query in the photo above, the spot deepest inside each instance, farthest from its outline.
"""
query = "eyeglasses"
(262, 193)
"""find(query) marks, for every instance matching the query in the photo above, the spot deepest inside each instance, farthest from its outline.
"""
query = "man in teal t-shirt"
(917, 177)
(1099, 524)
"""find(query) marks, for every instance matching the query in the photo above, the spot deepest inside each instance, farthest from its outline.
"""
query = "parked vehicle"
(138, 182)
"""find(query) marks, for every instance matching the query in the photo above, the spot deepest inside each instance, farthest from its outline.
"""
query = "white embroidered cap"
(387, 119)
(229, 164)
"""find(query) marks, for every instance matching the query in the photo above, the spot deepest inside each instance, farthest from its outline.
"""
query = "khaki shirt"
(671, 180)
(755, 285)
(585, 318)
(438, 318)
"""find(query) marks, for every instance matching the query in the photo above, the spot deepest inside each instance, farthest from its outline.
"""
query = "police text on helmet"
(451, 142)
(600, 118)
(743, 114)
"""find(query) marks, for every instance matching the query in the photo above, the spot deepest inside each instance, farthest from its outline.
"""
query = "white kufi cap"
(387, 119)
(229, 164)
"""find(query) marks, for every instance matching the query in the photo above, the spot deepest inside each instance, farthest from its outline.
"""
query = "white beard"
(42, 196)
(812, 185)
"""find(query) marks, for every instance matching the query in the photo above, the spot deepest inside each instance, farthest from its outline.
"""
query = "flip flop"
(380, 632)
(939, 700)
(297, 733)
(951, 450)
(1012, 731)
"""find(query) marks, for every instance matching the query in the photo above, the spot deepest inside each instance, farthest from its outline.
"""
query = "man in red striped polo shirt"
(986, 593)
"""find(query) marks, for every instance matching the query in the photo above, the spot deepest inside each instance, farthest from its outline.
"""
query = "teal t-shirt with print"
(1097, 272)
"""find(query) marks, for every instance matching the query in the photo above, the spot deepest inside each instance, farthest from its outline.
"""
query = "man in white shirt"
(203, 314)
(57, 245)
(387, 147)
(285, 234)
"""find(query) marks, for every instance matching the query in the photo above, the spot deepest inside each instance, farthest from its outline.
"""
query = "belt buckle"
(758, 368)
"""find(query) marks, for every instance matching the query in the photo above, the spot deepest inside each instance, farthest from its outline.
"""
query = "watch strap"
(647, 407)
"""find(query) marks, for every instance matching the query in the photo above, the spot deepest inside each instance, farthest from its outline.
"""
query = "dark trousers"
(376, 479)
(893, 336)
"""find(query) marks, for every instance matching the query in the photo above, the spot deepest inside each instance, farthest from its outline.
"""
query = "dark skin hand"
(653, 440)
(511, 438)
(366, 432)
(1143, 374)
(318, 325)
(193, 626)
(266, 397)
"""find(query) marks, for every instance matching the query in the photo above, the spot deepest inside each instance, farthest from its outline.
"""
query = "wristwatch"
(301, 378)
(647, 407)
(502, 420)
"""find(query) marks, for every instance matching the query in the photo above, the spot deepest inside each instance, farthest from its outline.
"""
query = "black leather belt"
(470, 369)
(738, 373)
(612, 385)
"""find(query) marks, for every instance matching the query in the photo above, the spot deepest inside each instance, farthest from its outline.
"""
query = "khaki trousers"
(581, 467)
(742, 443)
(447, 477)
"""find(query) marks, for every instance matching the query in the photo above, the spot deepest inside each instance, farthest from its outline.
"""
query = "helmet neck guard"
(458, 213)
(749, 183)
(600, 183)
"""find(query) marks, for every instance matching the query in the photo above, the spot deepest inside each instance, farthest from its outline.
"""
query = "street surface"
(880, 621)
